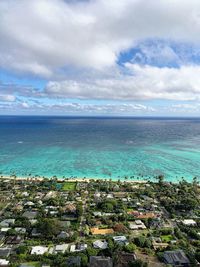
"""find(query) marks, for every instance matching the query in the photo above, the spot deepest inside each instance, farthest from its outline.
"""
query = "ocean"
(135, 148)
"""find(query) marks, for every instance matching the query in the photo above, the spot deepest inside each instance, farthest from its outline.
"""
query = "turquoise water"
(100, 147)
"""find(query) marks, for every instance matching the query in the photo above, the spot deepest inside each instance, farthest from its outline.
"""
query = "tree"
(160, 179)
(91, 252)
(22, 249)
(120, 228)
(48, 227)
(84, 260)
(107, 206)
(140, 241)
(130, 247)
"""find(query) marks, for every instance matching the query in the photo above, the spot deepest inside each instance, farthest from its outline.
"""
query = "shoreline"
(68, 179)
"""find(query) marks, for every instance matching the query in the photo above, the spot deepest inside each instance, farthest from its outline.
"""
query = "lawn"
(69, 186)
(166, 238)
(32, 264)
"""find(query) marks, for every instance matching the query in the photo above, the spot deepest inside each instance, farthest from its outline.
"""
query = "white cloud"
(32, 106)
(142, 83)
(25, 105)
(7, 98)
(92, 109)
(41, 36)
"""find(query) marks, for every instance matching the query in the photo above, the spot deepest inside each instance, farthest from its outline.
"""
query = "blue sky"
(102, 57)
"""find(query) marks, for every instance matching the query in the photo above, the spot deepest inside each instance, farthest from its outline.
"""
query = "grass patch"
(166, 238)
(69, 186)
(32, 264)
(103, 226)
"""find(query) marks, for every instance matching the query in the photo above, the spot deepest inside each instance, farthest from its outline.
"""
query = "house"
(20, 230)
(176, 258)
(35, 233)
(61, 248)
(5, 229)
(63, 235)
(7, 222)
(71, 208)
(158, 244)
(97, 231)
(78, 247)
(120, 194)
(30, 214)
(25, 194)
(29, 204)
(121, 240)
(33, 221)
(4, 252)
(4, 263)
(100, 261)
(97, 213)
(100, 244)
(146, 215)
(39, 250)
(137, 225)
(50, 194)
(14, 240)
(18, 207)
(189, 222)
(74, 261)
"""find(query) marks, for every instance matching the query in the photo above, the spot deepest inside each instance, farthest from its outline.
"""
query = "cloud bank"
(130, 50)
(142, 83)
(42, 36)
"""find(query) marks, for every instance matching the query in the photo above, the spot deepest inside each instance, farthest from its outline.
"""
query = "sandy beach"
(87, 180)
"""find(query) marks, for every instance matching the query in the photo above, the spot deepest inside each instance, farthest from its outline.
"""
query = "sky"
(100, 57)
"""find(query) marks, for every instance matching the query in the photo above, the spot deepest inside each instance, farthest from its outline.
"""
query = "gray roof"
(74, 261)
(99, 261)
(5, 252)
(176, 257)
(30, 214)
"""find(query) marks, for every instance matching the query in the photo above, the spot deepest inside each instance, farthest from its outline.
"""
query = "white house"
(61, 248)
(39, 250)
(78, 247)
(137, 225)
(189, 222)
(4, 262)
(100, 244)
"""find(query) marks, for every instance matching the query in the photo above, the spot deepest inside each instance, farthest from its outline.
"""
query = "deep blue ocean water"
(100, 147)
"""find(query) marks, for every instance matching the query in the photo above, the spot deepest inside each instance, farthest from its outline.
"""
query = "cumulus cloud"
(77, 46)
(141, 83)
(42, 36)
